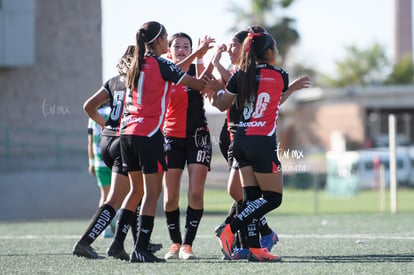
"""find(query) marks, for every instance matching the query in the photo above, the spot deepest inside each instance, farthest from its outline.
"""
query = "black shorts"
(260, 152)
(195, 148)
(144, 154)
(111, 154)
(224, 141)
(231, 160)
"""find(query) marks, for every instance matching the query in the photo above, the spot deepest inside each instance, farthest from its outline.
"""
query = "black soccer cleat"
(140, 256)
(154, 247)
(86, 251)
(117, 251)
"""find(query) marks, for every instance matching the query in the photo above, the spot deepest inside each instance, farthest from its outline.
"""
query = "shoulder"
(281, 71)
(167, 64)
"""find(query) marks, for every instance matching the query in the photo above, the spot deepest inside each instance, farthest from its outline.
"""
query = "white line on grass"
(284, 236)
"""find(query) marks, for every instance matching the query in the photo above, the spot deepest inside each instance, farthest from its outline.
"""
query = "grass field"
(338, 240)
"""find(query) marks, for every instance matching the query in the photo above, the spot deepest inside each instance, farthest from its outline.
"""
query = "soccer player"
(113, 91)
(268, 237)
(188, 142)
(97, 167)
(142, 141)
(258, 86)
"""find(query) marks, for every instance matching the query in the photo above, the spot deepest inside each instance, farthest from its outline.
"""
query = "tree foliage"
(360, 67)
(403, 72)
(262, 12)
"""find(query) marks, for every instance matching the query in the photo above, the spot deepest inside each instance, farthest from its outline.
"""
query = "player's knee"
(273, 198)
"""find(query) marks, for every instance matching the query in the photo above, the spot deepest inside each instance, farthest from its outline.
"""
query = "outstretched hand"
(204, 44)
(217, 56)
(301, 82)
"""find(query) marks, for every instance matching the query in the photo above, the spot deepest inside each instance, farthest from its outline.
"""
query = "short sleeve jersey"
(96, 131)
(259, 115)
(185, 112)
(233, 116)
(145, 106)
(115, 87)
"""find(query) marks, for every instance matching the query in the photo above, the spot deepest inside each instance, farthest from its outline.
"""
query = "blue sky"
(326, 27)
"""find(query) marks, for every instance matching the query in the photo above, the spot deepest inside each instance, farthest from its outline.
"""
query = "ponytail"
(246, 81)
(254, 48)
(145, 36)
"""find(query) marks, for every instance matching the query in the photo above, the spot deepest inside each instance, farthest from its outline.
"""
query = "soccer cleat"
(186, 252)
(173, 252)
(86, 251)
(140, 256)
(117, 251)
(154, 247)
(268, 241)
(226, 238)
(219, 228)
(262, 255)
(240, 254)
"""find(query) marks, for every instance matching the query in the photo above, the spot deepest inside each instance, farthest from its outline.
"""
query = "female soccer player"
(268, 236)
(258, 86)
(142, 142)
(187, 142)
(97, 166)
(113, 91)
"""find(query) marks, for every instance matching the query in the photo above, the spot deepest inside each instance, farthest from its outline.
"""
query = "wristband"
(91, 162)
(199, 61)
(220, 92)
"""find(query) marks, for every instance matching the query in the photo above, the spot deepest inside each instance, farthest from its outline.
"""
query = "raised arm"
(224, 73)
(297, 84)
(202, 49)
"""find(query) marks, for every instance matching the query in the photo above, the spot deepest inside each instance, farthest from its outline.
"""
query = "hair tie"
(251, 36)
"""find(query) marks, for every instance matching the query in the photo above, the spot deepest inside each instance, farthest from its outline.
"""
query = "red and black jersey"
(145, 107)
(185, 112)
(258, 117)
(233, 118)
(115, 87)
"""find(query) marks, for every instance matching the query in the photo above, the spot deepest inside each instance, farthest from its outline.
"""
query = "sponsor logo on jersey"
(250, 124)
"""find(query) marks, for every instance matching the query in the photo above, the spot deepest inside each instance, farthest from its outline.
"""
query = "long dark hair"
(253, 49)
(146, 35)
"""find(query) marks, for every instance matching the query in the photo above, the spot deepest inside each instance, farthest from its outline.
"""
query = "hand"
(301, 82)
(204, 45)
(214, 85)
(91, 170)
(217, 56)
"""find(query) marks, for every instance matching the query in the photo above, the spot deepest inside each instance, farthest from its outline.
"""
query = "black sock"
(255, 209)
(173, 225)
(100, 220)
(252, 230)
(264, 227)
(135, 222)
(144, 233)
(232, 212)
(241, 240)
(191, 224)
(126, 217)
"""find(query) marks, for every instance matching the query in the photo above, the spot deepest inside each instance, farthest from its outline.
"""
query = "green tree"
(360, 67)
(403, 72)
(262, 12)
